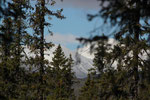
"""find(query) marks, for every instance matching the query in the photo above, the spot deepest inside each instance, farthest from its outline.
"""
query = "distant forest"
(24, 77)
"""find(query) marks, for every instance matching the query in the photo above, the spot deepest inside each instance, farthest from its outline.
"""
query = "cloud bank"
(63, 39)
(82, 4)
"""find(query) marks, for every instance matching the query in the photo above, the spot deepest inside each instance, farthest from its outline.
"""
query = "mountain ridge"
(81, 63)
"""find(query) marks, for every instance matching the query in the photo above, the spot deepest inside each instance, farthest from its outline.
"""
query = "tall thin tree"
(39, 45)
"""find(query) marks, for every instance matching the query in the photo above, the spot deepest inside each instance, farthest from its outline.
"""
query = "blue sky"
(76, 23)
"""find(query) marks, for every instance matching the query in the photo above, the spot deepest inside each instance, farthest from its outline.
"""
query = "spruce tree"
(100, 61)
(7, 37)
(18, 10)
(38, 44)
(62, 76)
(131, 17)
(5, 54)
(12, 71)
(90, 90)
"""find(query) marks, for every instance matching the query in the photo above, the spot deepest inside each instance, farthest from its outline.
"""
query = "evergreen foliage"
(62, 76)
(31, 78)
(13, 76)
(100, 61)
(35, 78)
(38, 45)
(90, 91)
(132, 19)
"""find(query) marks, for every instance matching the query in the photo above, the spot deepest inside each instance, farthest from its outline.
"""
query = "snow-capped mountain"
(83, 58)
(81, 63)
(85, 50)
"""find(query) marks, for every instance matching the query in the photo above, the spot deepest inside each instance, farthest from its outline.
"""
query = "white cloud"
(63, 39)
(84, 4)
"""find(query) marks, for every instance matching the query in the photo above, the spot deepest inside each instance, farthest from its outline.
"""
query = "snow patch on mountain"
(83, 58)
(81, 63)
(86, 51)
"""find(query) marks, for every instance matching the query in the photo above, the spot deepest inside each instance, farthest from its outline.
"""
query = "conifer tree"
(62, 75)
(18, 10)
(127, 15)
(7, 36)
(90, 91)
(144, 83)
(38, 44)
(17, 82)
(100, 61)
(5, 53)
(13, 31)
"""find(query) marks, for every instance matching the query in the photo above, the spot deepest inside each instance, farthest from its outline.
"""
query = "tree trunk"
(136, 51)
(42, 47)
